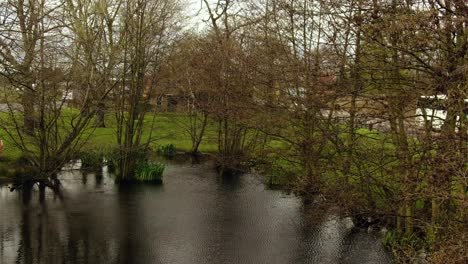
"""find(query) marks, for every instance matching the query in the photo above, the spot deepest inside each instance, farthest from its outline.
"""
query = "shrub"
(406, 248)
(279, 172)
(167, 151)
(112, 158)
(91, 159)
(276, 177)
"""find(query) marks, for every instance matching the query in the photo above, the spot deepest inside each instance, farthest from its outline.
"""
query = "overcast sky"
(196, 13)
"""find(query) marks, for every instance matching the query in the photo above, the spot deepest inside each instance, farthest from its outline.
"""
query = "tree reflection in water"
(197, 216)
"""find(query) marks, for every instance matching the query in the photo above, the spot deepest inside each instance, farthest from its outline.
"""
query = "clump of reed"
(150, 172)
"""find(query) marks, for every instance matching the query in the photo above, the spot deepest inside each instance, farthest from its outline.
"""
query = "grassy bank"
(167, 128)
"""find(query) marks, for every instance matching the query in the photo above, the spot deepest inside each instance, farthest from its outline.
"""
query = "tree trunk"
(100, 116)
(199, 138)
(27, 102)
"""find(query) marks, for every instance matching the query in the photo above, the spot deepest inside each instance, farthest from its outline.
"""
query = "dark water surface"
(195, 217)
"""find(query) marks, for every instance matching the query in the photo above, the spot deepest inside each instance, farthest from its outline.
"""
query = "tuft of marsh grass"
(150, 172)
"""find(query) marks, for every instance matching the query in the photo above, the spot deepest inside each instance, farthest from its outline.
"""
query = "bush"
(407, 248)
(276, 177)
(91, 159)
(112, 158)
(167, 151)
(150, 172)
(279, 172)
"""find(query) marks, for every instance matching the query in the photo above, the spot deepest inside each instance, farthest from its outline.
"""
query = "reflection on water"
(195, 217)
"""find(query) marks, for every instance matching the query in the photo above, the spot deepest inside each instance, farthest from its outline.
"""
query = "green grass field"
(166, 128)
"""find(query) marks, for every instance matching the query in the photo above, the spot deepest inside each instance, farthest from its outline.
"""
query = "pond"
(196, 216)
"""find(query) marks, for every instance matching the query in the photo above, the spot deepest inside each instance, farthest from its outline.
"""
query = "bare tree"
(146, 27)
(232, 83)
(97, 51)
(43, 62)
(187, 73)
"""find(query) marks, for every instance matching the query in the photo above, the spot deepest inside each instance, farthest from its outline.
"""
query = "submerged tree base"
(25, 186)
(229, 171)
(133, 181)
(229, 166)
